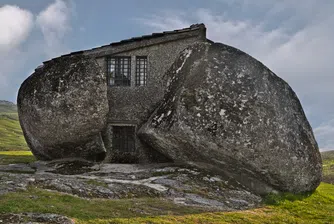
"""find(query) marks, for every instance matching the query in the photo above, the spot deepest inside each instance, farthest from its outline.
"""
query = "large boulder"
(63, 108)
(226, 112)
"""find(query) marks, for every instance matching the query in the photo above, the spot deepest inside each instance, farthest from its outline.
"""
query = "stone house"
(135, 71)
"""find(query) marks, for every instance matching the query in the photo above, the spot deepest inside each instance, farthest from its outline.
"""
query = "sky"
(294, 38)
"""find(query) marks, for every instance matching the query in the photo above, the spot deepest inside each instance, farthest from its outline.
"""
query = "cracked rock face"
(226, 112)
(29, 218)
(185, 186)
(62, 109)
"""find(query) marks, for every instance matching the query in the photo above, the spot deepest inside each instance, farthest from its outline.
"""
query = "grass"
(328, 166)
(8, 108)
(315, 208)
(10, 157)
(97, 183)
(84, 210)
(11, 136)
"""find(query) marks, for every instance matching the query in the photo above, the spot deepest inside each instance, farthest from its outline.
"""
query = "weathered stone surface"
(226, 112)
(30, 218)
(63, 108)
(186, 186)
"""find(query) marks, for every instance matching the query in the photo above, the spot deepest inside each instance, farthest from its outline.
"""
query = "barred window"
(123, 138)
(141, 70)
(119, 71)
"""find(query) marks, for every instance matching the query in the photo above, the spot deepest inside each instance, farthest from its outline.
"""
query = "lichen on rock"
(226, 112)
(223, 111)
(63, 108)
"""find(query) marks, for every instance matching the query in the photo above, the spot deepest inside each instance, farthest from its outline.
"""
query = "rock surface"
(185, 186)
(226, 112)
(34, 218)
(62, 109)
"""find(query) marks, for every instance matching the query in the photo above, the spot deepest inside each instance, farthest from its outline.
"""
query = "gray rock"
(19, 168)
(113, 181)
(63, 108)
(226, 112)
(34, 218)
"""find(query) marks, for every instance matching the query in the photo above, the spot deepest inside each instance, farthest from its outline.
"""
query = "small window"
(119, 71)
(123, 138)
(141, 70)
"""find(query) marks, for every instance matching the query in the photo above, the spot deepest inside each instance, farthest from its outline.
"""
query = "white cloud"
(16, 49)
(15, 26)
(54, 23)
(293, 39)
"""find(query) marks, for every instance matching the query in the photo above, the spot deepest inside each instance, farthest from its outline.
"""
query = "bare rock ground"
(33, 218)
(182, 185)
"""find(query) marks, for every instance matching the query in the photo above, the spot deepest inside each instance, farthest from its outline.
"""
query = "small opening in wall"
(99, 157)
(119, 71)
(124, 138)
(141, 70)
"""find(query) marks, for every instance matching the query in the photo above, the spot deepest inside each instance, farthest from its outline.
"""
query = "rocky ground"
(31, 218)
(181, 185)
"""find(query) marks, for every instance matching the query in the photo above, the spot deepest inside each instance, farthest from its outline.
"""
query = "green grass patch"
(11, 157)
(11, 136)
(328, 166)
(314, 208)
(97, 183)
(84, 210)
(327, 156)
(8, 108)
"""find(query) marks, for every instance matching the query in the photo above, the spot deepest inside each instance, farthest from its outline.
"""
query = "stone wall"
(133, 105)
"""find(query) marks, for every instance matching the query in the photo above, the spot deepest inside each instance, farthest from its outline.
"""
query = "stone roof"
(165, 33)
(140, 38)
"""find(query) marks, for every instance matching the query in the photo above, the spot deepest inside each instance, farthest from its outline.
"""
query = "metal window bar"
(119, 70)
(123, 138)
(141, 70)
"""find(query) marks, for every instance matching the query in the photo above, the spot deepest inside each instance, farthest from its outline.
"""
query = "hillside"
(328, 166)
(11, 137)
(7, 107)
